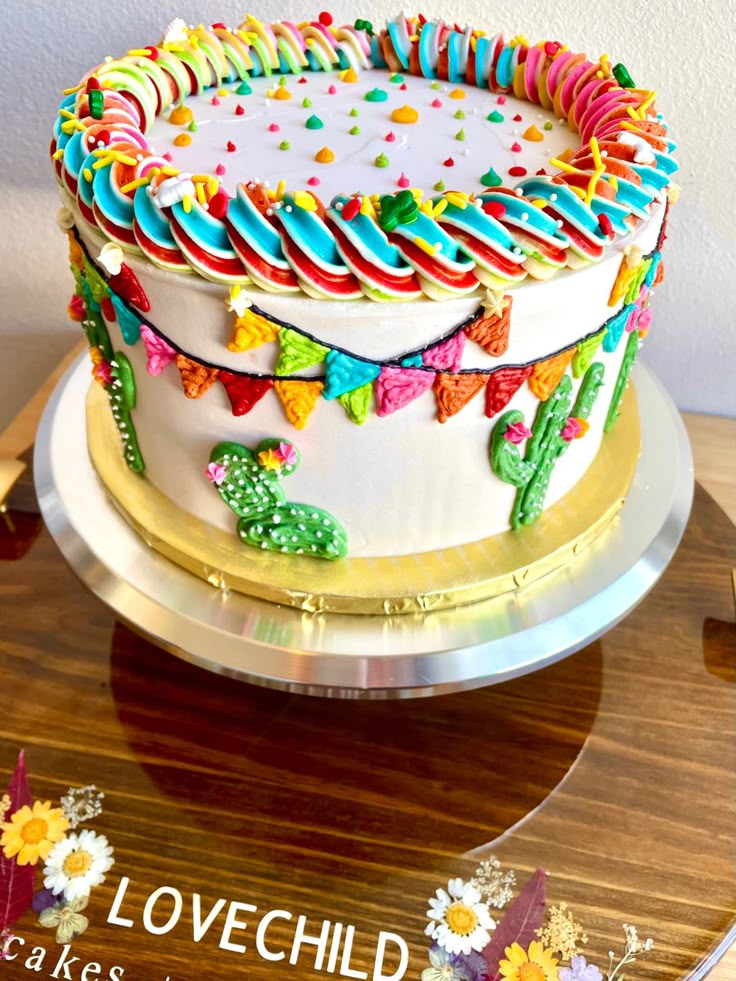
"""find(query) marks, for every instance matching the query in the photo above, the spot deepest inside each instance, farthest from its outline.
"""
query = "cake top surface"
(346, 162)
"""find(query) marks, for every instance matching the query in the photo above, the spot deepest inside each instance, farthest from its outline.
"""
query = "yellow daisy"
(535, 964)
(32, 832)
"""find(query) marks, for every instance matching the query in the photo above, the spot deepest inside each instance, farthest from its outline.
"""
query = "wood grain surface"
(613, 769)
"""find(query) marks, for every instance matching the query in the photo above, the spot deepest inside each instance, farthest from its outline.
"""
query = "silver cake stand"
(345, 656)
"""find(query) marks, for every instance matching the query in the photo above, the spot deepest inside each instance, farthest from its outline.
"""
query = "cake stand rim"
(406, 669)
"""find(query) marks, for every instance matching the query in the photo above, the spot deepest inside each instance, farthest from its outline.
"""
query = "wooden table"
(613, 769)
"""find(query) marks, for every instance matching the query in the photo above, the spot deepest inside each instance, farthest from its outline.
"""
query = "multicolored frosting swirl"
(383, 247)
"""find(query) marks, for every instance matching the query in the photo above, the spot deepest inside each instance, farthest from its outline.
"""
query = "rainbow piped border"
(283, 240)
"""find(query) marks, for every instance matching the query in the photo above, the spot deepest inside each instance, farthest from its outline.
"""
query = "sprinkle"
(621, 74)
(354, 112)
(220, 169)
(133, 185)
(533, 135)
(515, 147)
(282, 93)
(218, 205)
(244, 89)
(501, 100)
(183, 139)
(518, 171)
(350, 209)
(436, 104)
(239, 111)
(332, 90)
(457, 199)
(314, 122)
(88, 175)
(494, 208)
(324, 156)
(457, 94)
(460, 135)
(391, 137)
(381, 160)
(325, 18)
(96, 103)
(313, 182)
(494, 117)
(305, 201)
(376, 95)
(181, 116)
(284, 145)
(439, 186)
(214, 101)
(405, 114)
(548, 126)
(604, 223)
(349, 76)
(274, 128)
(448, 163)
(424, 245)
(403, 181)
(354, 130)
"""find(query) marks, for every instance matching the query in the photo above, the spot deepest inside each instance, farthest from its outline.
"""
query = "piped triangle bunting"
(298, 399)
(244, 391)
(196, 378)
(546, 375)
(453, 392)
(502, 386)
(397, 387)
(492, 327)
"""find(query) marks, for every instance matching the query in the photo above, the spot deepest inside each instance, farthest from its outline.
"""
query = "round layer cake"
(361, 292)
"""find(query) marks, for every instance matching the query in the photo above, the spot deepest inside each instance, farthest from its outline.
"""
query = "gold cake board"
(373, 586)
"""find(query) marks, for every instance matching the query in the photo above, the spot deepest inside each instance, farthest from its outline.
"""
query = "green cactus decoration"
(248, 481)
(532, 473)
(632, 349)
(121, 393)
(120, 387)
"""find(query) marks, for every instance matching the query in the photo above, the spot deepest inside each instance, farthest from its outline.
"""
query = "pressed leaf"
(520, 924)
(16, 881)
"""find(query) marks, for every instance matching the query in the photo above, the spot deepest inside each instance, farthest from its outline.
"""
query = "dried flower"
(32, 832)
(78, 864)
(634, 946)
(454, 967)
(534, 964)
(494, 884)
(81, 804)
(580, 970)
(562, 933)
(4, 806)
(68, 919)
(458, 918)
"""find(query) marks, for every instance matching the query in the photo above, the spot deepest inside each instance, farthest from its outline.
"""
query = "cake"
(361, 294)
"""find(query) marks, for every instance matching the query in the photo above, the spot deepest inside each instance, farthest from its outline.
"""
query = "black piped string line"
(393, 363)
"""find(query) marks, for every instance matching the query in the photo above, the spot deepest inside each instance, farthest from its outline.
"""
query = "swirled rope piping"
(288, 240)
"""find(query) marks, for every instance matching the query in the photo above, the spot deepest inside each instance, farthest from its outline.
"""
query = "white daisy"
(459, 919)
(78, 864)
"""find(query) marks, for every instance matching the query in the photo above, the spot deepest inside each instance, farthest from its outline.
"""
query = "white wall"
(678, 47)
